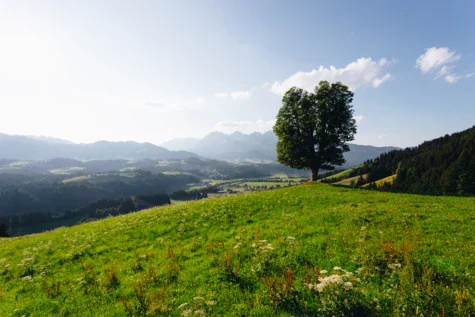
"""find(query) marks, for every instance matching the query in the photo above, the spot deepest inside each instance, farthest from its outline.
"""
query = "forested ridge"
(56, 197)
(443, 166)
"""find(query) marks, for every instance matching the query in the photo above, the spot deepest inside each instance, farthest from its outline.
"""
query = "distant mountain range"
(257, 146)
(43, 148)
(233, 147)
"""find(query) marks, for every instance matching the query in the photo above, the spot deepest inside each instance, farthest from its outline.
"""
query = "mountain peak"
(258, 146)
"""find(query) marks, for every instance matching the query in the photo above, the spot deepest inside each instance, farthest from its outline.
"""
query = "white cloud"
(378, 81)
(436, 57)
(445, 70)
(237, 95)
(228, 124)
(382, 136)
(240, 95)
(452, 78)
(359, 118)
(221, 94)
(441, 60)
(264, 126)
(200, 100)
(245, 126)
(361, 73)
(176, 105)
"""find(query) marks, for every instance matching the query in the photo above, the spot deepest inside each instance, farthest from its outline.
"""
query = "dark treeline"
(101, 208)
(106, 207)
(444, 166)
(193, 194)
(55, 197)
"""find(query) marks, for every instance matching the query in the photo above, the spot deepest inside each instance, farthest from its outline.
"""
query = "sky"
(151, 71)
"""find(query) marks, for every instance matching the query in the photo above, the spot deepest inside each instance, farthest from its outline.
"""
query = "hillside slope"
(295, 251)
(445, 165)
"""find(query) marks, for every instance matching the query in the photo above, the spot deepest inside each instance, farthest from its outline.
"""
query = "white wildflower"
(27, 278)
(363, 228)
(290, 238)
(211, 302)
(323, 272)
(394, 266)
(198, 298)
(199, 312)
(182, 305)
(337, 268)
(348, 285)
(320, 287)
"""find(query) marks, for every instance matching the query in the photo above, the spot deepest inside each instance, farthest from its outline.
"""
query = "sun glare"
(26, 51)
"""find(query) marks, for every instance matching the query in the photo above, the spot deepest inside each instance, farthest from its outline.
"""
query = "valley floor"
(314, 250)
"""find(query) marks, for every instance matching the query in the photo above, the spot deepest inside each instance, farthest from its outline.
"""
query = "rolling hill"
(445, 165)
(257, 146)
(306, 250)
(42, 148)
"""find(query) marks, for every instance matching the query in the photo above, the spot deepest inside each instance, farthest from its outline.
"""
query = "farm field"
(350, 180)
(340, 176)
(313, 249)
(77, 179)
(380, 182)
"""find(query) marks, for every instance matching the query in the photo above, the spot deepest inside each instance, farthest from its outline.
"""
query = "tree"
(3, 230)
(313, 128)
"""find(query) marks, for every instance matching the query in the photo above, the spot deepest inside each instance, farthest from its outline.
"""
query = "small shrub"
(144, 303)
(282, 292)
(112, 279)
(172, 272)
(52, 290)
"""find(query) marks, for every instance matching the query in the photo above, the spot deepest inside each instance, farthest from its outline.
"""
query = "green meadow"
(309, 250)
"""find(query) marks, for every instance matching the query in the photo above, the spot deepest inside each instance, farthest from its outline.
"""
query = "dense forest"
(443, 166)
(48, 195)
(98, 209)
(101, 208)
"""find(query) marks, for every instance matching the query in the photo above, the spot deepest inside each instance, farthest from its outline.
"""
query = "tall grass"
(312, 250)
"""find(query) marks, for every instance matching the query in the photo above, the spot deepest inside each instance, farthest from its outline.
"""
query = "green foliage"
(313, 128)
(445, 165)
(305, 250)
(56, 197)
(101, 208)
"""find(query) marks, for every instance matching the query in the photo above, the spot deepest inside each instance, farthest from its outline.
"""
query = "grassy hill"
(351, 180)
(305, 250)
(389, 179)
(339, 176)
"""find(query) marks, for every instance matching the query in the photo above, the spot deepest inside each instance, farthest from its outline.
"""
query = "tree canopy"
(313, 128)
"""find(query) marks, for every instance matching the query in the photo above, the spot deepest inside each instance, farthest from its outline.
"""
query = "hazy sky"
(152, 71)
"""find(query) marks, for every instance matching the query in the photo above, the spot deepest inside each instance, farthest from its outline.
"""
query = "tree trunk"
(314, 173)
